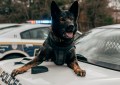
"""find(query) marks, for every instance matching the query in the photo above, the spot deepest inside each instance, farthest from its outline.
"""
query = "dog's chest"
(59, 56)
(57, 53)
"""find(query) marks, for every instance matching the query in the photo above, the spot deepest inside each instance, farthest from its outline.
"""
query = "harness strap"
(60, 57)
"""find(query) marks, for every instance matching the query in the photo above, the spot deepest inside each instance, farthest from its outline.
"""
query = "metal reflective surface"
(101, 46)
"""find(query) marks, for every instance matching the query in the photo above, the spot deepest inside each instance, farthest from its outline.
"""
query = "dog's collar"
(56, 38)
(59, 43)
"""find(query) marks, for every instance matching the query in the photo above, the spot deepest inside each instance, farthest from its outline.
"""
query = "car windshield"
(101, 47)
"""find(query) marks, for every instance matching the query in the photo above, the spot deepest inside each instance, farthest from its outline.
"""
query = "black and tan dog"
(59, 46)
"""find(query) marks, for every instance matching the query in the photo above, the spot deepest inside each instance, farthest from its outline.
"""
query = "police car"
(23, 40)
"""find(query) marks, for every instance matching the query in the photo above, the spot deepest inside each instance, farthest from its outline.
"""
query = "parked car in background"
(25, 31)
(19, 40)
(22, 39)
(101, 46)
(97, 51)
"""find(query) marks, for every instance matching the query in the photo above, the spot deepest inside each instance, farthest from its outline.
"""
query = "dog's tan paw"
(16, 72)
(81, 73)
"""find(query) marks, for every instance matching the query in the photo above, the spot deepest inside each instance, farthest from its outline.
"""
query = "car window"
(36, 33)
(39, 33)
(25, 35)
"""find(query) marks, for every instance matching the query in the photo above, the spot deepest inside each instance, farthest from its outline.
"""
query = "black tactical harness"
(60, 52)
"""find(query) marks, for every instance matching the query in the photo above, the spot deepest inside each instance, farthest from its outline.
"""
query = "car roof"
(3, 26)
(29, 26)
(7, 25)
(20, 27)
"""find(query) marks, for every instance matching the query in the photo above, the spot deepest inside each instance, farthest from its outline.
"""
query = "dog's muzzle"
(70, 28)
(69, 31)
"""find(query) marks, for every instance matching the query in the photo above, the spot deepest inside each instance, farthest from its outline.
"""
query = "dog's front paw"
(81, 73)
(16, 72)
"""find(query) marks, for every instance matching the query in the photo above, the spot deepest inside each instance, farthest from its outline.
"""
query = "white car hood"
(62, 75)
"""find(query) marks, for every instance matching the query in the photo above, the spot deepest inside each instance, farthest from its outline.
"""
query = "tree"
(23, 10)
(116, 10)
(97, 12)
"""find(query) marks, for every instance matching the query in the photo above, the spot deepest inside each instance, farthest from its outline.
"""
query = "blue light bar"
(39, 21)
(43, 21)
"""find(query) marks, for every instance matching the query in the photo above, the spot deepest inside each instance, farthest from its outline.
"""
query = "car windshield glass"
(101, 47)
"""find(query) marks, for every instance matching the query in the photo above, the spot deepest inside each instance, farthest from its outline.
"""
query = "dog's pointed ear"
(54, 9)
(74, 9)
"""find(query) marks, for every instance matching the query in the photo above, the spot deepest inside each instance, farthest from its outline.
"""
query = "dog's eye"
(62, 19)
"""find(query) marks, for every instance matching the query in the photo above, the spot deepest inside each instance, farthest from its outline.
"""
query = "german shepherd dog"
(59, 45)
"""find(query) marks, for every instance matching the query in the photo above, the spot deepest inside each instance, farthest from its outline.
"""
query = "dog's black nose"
(70, 28)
